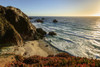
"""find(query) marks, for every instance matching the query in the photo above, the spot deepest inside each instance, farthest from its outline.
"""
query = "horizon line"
(68, 16)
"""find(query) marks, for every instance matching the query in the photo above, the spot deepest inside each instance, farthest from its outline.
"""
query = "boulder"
(43, 18)
(39, 20)
(30, 18)
(55, 21)
(41, 32)
(52, 33)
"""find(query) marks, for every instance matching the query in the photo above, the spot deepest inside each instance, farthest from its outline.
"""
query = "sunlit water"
(79, 36)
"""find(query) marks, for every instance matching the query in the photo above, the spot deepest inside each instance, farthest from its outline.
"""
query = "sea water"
(79, 36)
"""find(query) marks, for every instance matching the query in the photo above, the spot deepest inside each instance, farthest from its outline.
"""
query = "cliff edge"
(15, 27)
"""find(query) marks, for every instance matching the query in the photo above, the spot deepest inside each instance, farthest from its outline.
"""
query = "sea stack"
(39, 20)
(52, 33)
(55, 21)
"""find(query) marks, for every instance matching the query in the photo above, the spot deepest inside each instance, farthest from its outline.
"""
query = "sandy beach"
(30, 48)
(37, 47)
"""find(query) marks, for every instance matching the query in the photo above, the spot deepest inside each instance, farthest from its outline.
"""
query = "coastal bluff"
(15, 27)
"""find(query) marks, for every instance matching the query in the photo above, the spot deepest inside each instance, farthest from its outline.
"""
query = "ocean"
(79, 36)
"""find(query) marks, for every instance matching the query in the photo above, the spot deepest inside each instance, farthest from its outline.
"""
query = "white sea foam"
(78, 36)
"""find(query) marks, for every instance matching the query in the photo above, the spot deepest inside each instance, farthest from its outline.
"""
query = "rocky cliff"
(8, 34)
(15, 26)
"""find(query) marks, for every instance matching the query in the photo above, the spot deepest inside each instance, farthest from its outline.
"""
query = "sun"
(97, 14)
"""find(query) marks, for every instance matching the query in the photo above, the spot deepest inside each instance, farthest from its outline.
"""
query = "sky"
(56, 7)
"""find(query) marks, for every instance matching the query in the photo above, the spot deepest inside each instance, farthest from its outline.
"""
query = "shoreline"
(39, 47)
(30, 48)
(34, 47)
(48, 47)
(58, 49)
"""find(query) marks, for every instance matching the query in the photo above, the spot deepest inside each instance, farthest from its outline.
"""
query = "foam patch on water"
(77, 36)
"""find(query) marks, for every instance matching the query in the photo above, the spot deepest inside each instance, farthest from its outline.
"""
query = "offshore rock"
(55, 21)
(41, 32)
(39, 20)
(52, 33)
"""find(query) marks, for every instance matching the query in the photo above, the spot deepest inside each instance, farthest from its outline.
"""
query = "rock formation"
(8, 34)
(52, 33)
(41, 32)
(15, 26)
(21, 23)
(30, 18)
(43, 18)
(39, 20)
(55, 21)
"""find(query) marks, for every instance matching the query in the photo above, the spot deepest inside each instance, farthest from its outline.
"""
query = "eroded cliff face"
(21, 22)
(15, 26)
(8, 34)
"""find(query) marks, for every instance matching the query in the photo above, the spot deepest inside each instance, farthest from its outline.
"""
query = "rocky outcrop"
(8, 34)
(15, 26)
(52, 33)
(41, 32)
(55, 21)
(30, 18)
(39, 20)
(21, 23)
(43, 18)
